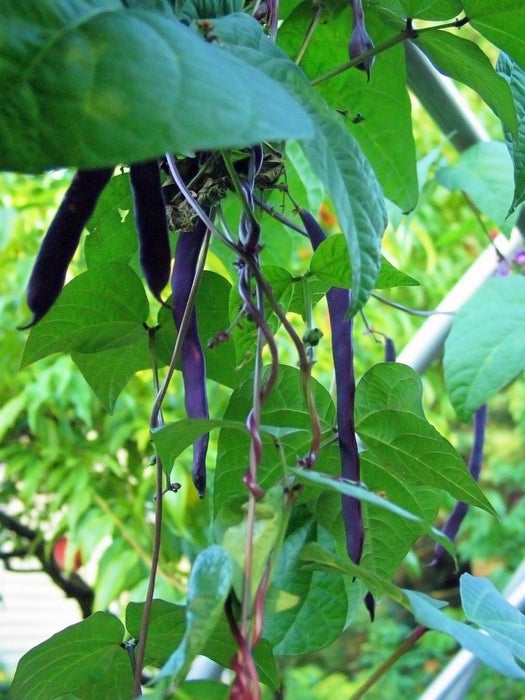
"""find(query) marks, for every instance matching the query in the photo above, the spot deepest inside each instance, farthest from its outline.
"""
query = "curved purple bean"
(360, 42)
(193, 364)
(152, 226)
(390, 350)
(459, 511)
(338, 301)
(62, 239)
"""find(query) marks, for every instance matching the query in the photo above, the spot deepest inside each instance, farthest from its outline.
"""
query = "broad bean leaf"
(378, 113)
(198, 689)
(464, 61)
(305, 610)
(84, 661)
(503, 24)
(101, 309)
(515, 76)
(391, 423)
(90, 84)
(496, 653)
(166, 630)
(331, 264)
(484, 172)
(485, 349)
(208, 586)
(333, 154)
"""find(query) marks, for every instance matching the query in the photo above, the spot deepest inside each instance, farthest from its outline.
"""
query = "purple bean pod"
(193, 364)
(338, 301)
(360, 42)
(149, 210)
(62, 239)
(390, 350)
(459, 511)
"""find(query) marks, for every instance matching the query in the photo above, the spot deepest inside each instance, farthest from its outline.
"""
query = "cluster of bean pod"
(62, 239)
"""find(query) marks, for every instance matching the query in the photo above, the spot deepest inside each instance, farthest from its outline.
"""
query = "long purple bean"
(62, 239)
(338, 301)
(459, 511)
(152, 227)
(192, 357)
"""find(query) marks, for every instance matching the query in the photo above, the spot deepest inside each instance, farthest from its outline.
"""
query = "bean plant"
(233, 168)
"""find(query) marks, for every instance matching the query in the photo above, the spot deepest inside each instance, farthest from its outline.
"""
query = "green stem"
(318, 11)
(409, 642)
(408, 33)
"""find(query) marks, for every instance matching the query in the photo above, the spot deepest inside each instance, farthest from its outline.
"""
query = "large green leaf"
(497, 653)
(390, 422)
(166, 630)
(515, 76)
(208, 586)
(387, 141)
(333, 154)
(88, 84)
(464, 61)
(503, 23)
(101, 309)
(485, 348)
(84, 661)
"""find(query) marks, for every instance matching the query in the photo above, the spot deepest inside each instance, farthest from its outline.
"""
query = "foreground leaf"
(90, 85)
(485, 348)
(84, 661)
(502, 23)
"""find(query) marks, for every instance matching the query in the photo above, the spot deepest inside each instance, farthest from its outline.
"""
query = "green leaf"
(503, 24)
(485, 607)
(485, 348)
(494, 654)
(333, 154)
(208, 586)
(198, 689)
(305, 610)
(166, 631)
(112, 235)
(515, 76)
(107, 372)
(87, 85)
(464, 61)
(388, 143)
(484, 172)
(101, 309)
(85, 660)
(390, 422)
(331, 264)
